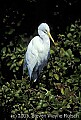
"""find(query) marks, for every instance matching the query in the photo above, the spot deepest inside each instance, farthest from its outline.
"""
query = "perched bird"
(38, 52)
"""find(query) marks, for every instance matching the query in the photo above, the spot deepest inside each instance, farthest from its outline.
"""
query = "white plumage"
(38, 52)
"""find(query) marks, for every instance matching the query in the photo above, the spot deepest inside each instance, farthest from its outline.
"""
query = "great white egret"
(38, 52)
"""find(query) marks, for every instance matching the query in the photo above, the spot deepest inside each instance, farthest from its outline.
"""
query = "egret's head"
(43, 30)
(43, 27)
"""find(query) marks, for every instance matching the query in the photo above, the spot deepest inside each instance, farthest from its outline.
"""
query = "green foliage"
(12, 59)
(58, 90)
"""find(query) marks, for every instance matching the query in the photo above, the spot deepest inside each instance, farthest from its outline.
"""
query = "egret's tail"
(35, 76)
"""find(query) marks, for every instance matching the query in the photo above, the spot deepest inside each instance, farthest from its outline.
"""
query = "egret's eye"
(45, 31)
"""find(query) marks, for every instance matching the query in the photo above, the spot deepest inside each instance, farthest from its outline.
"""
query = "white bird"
(38, 52)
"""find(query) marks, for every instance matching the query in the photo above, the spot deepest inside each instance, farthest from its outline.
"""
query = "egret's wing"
(32, 57)
(44, 63)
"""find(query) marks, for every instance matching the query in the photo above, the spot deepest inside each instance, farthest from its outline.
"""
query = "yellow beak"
(51, 38)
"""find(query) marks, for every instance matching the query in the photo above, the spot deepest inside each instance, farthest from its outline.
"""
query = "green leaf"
(66, 53)
(17, 68)
(9, 63)
(38, 107)
(13, 57)
(9, 50)
(79, 67)
(69, 35)
(68, 105)
(62, 91)
(26, 112)
(51, 98)
(66, 42)
(69, 52)
(62, 52)
(72, 29)
(11, 31)
(72, 26)
(44, 105)
(74, 36)
(4, 49)
(48, 93)
(50, 74)
(12, 66)
(77, 60)
(13, 111)
(20, 62)
(56, 76)
(51, 51)
(17, 95)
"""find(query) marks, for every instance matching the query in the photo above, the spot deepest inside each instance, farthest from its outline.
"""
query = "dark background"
(58, 14)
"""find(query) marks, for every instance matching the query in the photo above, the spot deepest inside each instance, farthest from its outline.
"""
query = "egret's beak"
(52, 38)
